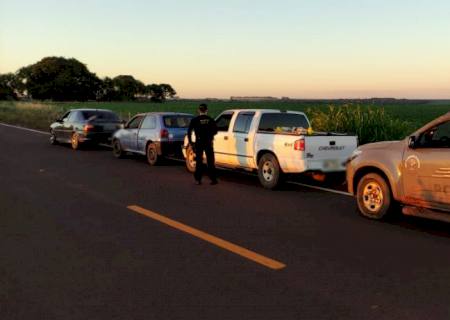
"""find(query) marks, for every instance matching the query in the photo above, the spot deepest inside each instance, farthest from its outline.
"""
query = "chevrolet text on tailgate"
(414, 172)
(273, 143)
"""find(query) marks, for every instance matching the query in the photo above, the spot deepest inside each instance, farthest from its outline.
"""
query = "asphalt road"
(71, 249)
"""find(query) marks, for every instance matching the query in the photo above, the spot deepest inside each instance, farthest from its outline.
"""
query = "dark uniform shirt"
(204, 127)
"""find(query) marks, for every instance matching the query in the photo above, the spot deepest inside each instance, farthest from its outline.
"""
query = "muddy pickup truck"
(413, 173)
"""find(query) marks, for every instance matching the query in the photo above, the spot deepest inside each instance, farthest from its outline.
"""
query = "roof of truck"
(262, 110)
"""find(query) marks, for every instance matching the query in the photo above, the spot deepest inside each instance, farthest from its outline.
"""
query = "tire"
(75, 141)
(152, 154)
(117, 149)
(53, 140)
(190, 159)
(373, 196)
(269, 172)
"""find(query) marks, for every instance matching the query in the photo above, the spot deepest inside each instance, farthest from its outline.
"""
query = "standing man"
(205, 129)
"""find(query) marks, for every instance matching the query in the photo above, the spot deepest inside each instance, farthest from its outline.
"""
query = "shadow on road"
(432, 227)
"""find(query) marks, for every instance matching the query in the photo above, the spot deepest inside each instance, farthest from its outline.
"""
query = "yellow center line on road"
(248, 254)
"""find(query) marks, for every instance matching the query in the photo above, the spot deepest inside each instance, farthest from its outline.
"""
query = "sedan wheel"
(52, 139)
(75, 141)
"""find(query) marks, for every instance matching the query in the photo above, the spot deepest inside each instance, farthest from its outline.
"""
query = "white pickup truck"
(273, 143)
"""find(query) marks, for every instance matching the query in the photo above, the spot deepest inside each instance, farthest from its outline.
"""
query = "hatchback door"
(129, 137)
(176, 126)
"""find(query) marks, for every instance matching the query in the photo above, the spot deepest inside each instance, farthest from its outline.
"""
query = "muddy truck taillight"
(299, 145)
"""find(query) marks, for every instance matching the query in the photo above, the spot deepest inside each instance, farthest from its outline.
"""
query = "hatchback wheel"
(152, 154)
(117, 149)
(374, 196)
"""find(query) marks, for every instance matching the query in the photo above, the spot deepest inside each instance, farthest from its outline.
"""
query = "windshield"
(287, 123)
(100, 115)
(178, 121)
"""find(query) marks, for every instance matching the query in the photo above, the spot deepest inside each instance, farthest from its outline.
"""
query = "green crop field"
(392, 118)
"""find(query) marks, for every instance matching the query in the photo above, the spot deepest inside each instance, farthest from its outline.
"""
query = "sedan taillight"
(87, 128)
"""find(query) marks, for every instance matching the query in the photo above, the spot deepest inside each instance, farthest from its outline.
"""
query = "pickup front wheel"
(269, 172)
(190, 159)
(373, 196)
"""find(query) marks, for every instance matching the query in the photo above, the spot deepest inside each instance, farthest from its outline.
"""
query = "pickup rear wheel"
(373, 196)
(152, 154)
(190, 159)
(269, 172)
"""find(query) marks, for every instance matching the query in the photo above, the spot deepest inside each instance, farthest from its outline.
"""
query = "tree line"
(62, 79)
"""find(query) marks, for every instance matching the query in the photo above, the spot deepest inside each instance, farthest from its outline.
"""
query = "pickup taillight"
(299, 145)
(164, 133)
(87, 128)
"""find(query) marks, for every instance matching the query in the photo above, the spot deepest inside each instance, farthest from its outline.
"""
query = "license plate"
(331, 164)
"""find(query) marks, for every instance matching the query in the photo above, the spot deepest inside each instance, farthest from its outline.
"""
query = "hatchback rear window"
(100, 115)
(177, 121)
(287, 123)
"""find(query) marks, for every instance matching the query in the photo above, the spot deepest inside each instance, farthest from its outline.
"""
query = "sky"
(208, 48)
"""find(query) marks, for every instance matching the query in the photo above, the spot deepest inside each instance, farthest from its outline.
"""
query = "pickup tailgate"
(328, 152)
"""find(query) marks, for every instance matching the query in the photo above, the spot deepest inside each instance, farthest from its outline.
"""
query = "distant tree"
(8, 86)
(160, 92)
(61, 79)
(106, 91)
(126, 87)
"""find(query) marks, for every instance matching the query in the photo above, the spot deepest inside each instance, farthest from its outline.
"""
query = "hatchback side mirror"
(412, 142)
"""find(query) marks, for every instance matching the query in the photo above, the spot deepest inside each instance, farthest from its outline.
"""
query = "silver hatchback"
(153, 134)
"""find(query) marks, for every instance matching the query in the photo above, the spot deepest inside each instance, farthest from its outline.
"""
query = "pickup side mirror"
(412, 142)
(58, 120)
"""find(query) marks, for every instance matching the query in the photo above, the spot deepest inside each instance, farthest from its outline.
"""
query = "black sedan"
(81, 126)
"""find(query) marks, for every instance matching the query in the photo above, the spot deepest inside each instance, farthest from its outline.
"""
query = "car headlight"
(356, 153)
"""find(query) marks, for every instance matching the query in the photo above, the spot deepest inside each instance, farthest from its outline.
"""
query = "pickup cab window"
(243, 122)
(437, 137)
(287, 123)
(223, 121)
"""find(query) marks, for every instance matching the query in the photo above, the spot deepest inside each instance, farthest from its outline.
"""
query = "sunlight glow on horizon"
(299, 49)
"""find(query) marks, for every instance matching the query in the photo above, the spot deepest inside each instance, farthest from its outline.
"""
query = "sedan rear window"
(177, 121)
(285, 123)
(99, 115)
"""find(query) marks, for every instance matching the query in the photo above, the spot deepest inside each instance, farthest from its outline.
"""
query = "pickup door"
(233, 144)
(426, 169)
